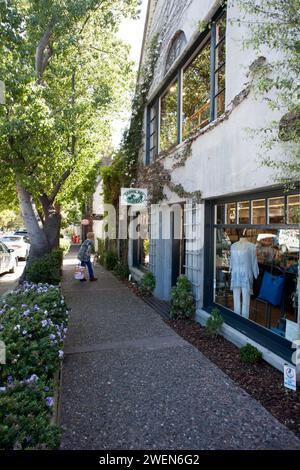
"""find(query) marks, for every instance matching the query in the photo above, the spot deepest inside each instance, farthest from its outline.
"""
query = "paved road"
(130, 382)
(9, 281)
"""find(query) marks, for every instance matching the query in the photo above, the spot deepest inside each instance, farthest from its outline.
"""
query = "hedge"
(33, 326)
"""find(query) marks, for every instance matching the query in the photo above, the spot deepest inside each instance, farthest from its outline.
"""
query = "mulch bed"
(262, 381)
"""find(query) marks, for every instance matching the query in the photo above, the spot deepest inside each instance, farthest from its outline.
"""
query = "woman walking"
(84, 255)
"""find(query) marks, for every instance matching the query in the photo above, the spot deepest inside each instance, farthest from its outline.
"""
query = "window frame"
(177, 74)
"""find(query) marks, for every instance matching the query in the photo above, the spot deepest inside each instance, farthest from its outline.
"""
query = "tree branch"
(43, 51)
(59, 184)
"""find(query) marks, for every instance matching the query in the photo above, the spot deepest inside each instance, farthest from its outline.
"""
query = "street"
(9, 281)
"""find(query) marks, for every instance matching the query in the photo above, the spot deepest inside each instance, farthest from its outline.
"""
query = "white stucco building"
(198, 147)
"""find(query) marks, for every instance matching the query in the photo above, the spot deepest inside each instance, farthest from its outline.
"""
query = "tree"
(65, 73)
(274, 26)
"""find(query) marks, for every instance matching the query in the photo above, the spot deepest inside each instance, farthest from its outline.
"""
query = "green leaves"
(63, 121)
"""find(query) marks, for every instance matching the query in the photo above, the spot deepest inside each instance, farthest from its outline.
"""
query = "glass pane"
(220, 80)
(220, 213)
(220, 54)
(231, 213)
(245, 262)
(276, 210)
(221, 28)
(168, 118)
(293, 209)
(196, 93)
(220, 104)
(259, 212)
(244, 212)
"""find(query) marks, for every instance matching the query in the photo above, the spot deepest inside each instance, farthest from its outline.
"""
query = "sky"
(131, 32)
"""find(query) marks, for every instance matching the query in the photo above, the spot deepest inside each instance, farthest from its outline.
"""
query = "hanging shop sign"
(290, 377)
(133, 196)
(85, 222)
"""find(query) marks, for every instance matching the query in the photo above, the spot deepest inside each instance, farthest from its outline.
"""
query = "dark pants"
(90, 268)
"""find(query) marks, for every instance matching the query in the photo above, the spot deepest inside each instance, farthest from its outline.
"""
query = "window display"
(256, 268)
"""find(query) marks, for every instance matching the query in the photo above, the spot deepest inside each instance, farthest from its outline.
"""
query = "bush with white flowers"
(33, 327)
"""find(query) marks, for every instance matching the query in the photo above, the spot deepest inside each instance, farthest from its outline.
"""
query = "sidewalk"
(130, 382)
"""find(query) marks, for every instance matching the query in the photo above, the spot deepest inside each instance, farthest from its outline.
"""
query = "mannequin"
(243, 267)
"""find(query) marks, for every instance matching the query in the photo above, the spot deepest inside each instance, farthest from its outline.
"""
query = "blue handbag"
(271, 289)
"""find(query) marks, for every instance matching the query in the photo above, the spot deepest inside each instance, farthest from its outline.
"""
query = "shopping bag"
(79, 272)
(271, 289)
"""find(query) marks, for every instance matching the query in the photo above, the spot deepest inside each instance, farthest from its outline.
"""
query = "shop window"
(231, 213)
(276, 210)
(255, 269)
(168, 118)
(176, 48)
(196, 93)
(258, 212)
(243, 212)
(221, 213)
(293, 209)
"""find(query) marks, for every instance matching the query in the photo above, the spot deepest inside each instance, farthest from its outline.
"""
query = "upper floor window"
(196, 93)
(177, 46)
(168, 117)
(196, 96)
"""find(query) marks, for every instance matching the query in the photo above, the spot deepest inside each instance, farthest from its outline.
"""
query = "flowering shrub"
(33, 326)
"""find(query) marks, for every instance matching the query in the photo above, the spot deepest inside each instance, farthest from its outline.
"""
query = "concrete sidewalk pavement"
(130, 382)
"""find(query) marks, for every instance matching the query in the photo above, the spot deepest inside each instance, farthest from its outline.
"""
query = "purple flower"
(33, 378)
(46, 389)
(36, 308)
(60, 354)
(52, 336)
(49, 401)
(10, 379)
(26, 313)
(44, 323)
(24, 305)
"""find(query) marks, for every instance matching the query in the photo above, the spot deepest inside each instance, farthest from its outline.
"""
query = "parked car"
(8, 259)
(21, 232)
(19, 243)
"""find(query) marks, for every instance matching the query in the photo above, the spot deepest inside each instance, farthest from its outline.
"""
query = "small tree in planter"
(147, 284)
(182, 299)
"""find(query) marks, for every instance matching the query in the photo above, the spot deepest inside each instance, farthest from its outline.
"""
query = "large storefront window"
(256, 263)
(168, 118)
(196, 93)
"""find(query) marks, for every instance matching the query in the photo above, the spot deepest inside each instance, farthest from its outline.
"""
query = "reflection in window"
(276, 210)
(153, 133)
(258, 212)
(231, 213)
(243, 212)
(221, 214)
(168, 118)
(196, 93)
(277, 255)
(220, 55)
(293, 209)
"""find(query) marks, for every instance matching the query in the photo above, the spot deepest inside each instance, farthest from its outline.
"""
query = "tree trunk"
(52, 221)
(39, 242)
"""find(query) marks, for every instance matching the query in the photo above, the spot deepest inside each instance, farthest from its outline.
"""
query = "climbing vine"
(123, 170)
